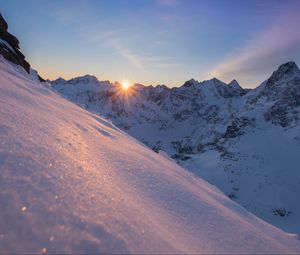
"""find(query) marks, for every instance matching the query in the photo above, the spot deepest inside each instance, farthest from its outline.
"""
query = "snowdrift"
(71, 182)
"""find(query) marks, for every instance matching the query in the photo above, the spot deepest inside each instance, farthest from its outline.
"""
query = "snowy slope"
(72, 182)
(246, 142)
(263, 174)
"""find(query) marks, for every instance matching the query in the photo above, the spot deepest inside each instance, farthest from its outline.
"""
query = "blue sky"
(157, 41)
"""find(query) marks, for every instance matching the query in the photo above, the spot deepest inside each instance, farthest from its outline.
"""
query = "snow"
(263, 177)
(71, 182)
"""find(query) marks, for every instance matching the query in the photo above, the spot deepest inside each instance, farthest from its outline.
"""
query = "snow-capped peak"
(234, 84)
(84, 79)
(59, 80)
(284, 72)
(190, 83)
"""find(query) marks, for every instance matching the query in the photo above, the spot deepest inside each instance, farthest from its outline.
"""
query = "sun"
(125, 85)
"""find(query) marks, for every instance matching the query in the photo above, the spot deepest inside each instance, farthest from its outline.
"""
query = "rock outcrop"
(9, 46)
(10, 49)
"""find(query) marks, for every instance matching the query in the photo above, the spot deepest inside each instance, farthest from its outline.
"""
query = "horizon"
(154, 85)
(157, 41)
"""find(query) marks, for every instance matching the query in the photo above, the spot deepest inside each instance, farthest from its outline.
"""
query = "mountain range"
(244, 141)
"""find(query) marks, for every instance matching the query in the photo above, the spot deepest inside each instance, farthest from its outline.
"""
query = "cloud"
(123, 42)
(127, 54)
(268, 49)
(143, 61)
(117, 40)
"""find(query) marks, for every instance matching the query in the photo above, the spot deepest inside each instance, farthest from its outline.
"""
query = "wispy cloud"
(123, 42)
(272, 46)
(132, 58)
(143, 61)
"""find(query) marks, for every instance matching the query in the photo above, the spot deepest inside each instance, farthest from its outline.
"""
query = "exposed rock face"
(278, 98)
(10, 49)
(9, 46)
(285, 71)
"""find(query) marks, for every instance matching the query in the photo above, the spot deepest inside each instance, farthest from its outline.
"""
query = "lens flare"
(125, 85)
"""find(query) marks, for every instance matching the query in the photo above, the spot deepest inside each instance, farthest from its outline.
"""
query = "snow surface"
(72, 182)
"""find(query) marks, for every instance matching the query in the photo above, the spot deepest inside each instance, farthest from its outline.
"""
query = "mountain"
(72, 182)
(244, 141)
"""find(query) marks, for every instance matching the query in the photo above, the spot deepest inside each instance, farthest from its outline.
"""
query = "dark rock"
(200, 148)
(233, 130)
(236, 89)
(284, 111)
(3, 24)
(10, 49)
(231, 195)
(181, 157)
(284, 71)
(237, 127)
(189, 83)
(282, 212)
(41, 79)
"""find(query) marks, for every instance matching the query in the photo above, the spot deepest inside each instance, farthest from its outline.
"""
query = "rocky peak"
(234, 84)
(161, 88)
(284, 72)
(216, 81)
(236, 89)
(90, 77)
(59, 80)
(3, 24)
(9, 46)
(189, 83)
(289, 67)
(84, 79)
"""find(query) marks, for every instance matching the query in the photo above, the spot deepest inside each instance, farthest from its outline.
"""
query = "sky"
(157, 41)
